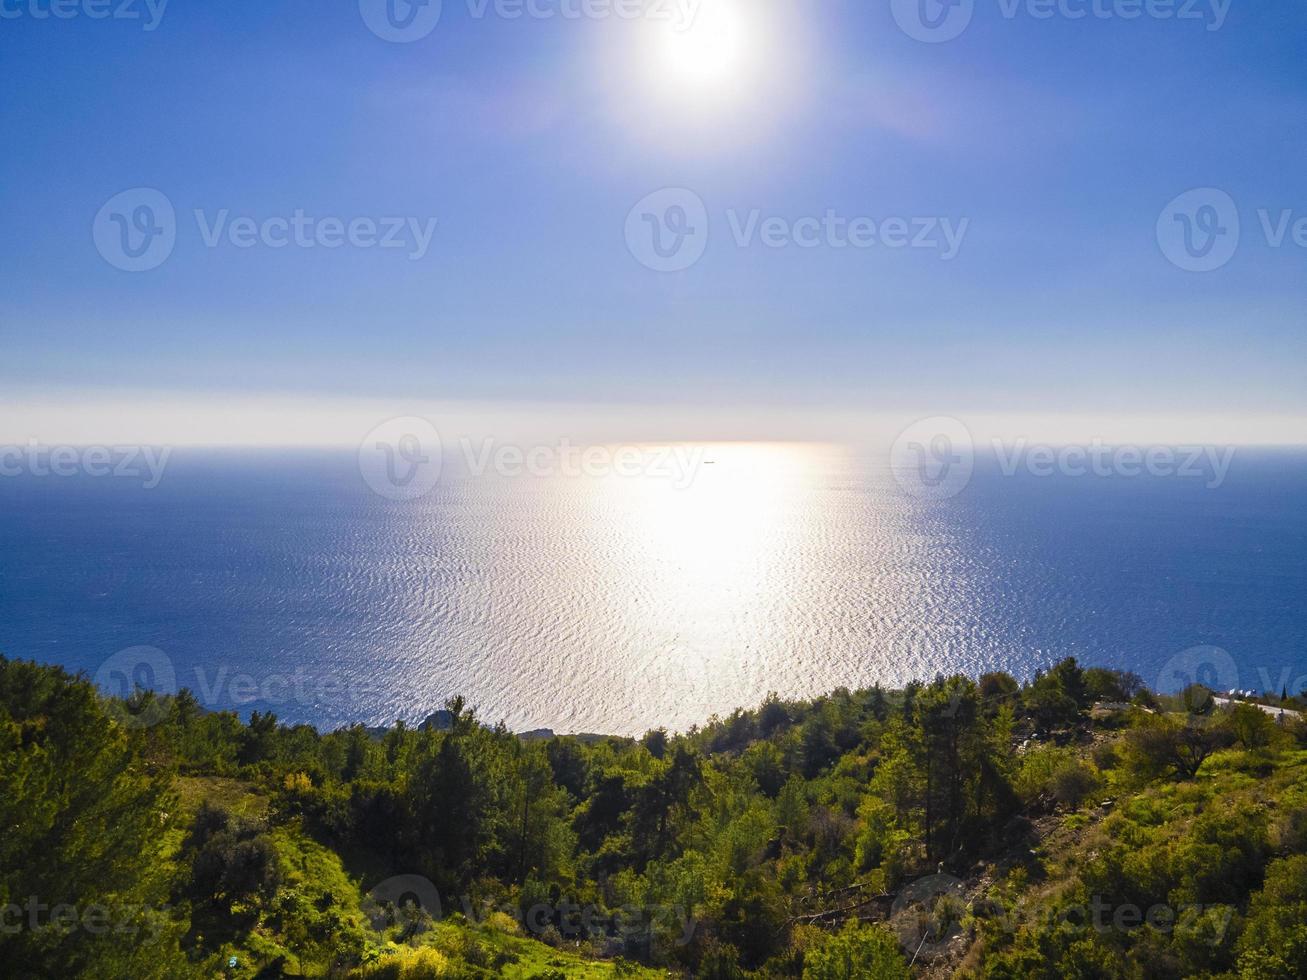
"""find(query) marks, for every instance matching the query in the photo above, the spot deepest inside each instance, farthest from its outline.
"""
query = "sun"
(708, 53)
(723, 71)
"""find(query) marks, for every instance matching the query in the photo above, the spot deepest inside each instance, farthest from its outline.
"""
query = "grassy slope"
(1065, 842)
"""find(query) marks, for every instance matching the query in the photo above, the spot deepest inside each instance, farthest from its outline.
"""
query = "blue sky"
(1060, 142)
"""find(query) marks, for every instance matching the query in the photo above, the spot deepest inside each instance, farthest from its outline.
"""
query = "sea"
(613, 598)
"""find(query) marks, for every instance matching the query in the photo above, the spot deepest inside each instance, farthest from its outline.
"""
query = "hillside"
(1076, 825)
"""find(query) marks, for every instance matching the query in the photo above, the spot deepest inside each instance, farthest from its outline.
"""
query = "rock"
(441, 721)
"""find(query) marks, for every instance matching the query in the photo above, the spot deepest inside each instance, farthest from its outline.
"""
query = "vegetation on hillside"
(979, 828)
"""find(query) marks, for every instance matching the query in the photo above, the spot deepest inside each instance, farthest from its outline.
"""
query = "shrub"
(1274, 941)
(1289, 832)
(232, 861)
(867, 952)
(1251, 727)
(1056, 773)
(503, 922)
(409, 964)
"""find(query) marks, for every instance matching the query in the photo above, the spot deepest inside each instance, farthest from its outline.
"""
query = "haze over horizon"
(280, 420)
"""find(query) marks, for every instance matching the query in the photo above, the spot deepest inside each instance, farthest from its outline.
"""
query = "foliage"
(769, 843)
(80, 852)
(857, 952)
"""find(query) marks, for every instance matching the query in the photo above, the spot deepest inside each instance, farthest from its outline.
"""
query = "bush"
(1250, 726)
(458, 945)
(1274, 941)
(720, 962)
(232, 861)
(409, 964)
(1296, 729)
(1290, 831)
(1071, 784)
(865, 952)
(503, 922)
(1055, 773)
(1104, 755)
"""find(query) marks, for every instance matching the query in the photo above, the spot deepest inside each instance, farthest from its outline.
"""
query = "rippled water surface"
(615, 603)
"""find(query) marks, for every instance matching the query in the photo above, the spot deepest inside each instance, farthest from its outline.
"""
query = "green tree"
(1159, 745)
(539, 837)
(880, 843)
(450, 799)
(83, 819)
(662, 800)
(876, 704)
(953, 755)
(1056, 698)
(655, 742)
(997, 689)
(1103, 684)
(1251, 727)
(231, 860)
(767, 766)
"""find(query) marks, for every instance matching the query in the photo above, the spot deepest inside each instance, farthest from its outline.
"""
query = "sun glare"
(709, 54)
(710, 58)
(727, 71)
